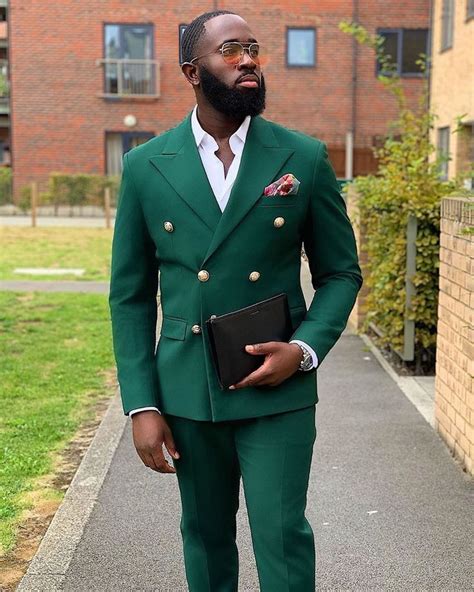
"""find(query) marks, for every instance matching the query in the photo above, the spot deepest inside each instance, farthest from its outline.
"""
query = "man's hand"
(281, 361)
(150, 432)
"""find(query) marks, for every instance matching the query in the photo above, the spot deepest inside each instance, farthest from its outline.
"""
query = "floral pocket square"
(286, 185)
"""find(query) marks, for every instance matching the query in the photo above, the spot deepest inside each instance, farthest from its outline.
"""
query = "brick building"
(4, 88)
(89, 80)
(452, 84)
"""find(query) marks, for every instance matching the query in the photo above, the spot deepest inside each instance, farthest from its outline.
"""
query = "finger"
(150, 461)
(170, 445)
(255, 378)
(143, 457)
(161, 463)
(260, 349)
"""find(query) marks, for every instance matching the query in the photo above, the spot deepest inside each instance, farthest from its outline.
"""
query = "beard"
(233, 102)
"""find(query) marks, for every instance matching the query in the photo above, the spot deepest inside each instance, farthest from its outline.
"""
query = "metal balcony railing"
(131, 77)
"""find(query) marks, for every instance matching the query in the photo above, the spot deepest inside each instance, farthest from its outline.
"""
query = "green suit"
(168, 220)
(164, 181)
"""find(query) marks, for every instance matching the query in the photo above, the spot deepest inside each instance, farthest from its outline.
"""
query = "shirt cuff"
(314, 357)
(130, 413)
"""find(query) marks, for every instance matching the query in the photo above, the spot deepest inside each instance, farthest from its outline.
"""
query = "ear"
(190, 71)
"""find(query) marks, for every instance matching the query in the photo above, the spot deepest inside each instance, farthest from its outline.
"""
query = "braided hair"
(194, 32)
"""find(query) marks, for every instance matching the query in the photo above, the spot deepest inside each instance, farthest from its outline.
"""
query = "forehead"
(226, 27)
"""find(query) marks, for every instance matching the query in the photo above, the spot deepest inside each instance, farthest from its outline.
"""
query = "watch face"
(307, 361)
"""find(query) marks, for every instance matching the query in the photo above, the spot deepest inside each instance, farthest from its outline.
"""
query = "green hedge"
(384, 213)
(407, 183)
(5, 185)
(73, 190)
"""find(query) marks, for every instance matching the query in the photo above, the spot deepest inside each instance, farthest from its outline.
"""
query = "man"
(192, 205)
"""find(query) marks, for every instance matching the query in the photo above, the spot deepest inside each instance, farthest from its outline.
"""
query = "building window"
(117, 143)
(181, 31)
(469, 9)
(447, 24)
(465, 153)
(300, 47)
(403, 48)
(129, 68)
(443, 151)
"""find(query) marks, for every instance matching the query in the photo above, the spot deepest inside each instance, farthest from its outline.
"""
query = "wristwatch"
(307, 361)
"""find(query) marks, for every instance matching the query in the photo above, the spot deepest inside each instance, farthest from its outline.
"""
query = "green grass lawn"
(55, 349)
(85, 248)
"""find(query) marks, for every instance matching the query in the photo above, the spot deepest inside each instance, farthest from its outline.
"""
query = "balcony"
(130, 78)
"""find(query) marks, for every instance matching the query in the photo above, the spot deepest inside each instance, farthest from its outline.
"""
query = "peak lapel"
(181, 165)
(262, 158)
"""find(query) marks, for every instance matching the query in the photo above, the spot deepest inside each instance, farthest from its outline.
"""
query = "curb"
(407, 384)
(47, 569)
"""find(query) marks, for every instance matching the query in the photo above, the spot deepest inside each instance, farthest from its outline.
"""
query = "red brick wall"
(59, 120)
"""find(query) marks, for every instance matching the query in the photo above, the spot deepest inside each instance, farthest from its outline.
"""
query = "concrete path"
(390, 508)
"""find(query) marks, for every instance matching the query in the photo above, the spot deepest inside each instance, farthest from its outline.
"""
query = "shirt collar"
(202, 137)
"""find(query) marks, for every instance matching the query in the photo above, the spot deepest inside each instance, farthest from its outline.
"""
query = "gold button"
(196, 329)
(278, 222)
(253, 277)
(203, 275)
(168, 226)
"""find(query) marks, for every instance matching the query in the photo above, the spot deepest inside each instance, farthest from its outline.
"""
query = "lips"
(249, 81)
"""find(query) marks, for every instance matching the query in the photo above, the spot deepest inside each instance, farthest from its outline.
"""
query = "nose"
(246, 61)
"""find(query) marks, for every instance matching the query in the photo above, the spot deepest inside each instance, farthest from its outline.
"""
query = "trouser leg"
(275, 454)
(208, 478)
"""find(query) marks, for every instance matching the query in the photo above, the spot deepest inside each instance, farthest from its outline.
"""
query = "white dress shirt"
(221, 184)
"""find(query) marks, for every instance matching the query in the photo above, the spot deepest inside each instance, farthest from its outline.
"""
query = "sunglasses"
(233, 52)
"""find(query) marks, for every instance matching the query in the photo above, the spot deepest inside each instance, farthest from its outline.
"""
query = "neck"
(215, 123)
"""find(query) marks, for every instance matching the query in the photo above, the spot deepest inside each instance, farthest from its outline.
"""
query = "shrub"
(5, 185)
(80, 189)
(73, 190)
(407, 184)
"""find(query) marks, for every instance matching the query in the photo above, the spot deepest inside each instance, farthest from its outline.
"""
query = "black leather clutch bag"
(268, 320)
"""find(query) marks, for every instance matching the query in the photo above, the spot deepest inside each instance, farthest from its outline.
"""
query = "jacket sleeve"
(330, 245)
(132, 299)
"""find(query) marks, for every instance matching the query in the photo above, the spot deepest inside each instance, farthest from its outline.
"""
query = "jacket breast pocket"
(276, 204)
(174, 328)
(277, 201)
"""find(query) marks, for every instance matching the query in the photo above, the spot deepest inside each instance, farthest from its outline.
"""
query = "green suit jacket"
(164, 181)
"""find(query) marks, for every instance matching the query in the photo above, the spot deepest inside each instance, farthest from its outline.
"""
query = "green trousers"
(273, 455)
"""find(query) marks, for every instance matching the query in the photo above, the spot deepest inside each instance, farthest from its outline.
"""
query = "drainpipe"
(429, 52)
(350, 137)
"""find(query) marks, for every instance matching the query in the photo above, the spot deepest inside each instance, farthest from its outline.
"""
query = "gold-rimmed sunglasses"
(232, 52)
